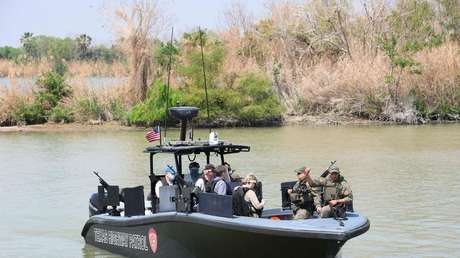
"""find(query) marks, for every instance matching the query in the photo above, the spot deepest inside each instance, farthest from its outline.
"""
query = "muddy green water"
(405, 179)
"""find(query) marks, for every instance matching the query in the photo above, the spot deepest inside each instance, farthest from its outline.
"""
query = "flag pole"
(159, 129)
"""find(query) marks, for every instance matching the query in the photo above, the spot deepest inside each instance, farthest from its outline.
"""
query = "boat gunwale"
(225, 224)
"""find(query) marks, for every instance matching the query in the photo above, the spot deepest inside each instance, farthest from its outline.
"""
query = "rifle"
(326, 172)
(102, 181)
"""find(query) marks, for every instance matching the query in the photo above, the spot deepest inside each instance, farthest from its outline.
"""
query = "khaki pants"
(326, 212)
(301, 214)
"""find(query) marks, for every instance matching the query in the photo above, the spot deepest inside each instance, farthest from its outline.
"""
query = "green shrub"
(61, 114)
(152, 109)
(88, 108)
(27, 113)
(118, 111)
(52, 89)
(258, 100)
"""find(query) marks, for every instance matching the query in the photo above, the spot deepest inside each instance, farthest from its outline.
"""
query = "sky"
(69, 18)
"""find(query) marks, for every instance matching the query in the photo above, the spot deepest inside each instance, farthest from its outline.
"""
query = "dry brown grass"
(10, 98)
(343, 86)
(439, 81)
(329, 58)
(75, 69)
(11, 69)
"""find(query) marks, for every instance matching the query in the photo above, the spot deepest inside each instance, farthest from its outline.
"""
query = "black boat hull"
(170, 237)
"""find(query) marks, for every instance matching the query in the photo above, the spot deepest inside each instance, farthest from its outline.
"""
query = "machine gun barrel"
(326, 172)
(101, 180)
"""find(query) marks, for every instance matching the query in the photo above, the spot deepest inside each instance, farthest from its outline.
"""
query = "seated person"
(219, 185)
(245, 201)
(194, 169)
(168, 179)
(302, 196)
(337, 192)
(204, 183)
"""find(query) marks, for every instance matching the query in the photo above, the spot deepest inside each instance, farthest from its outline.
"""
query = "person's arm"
(252, 197)
(221, 188)
(314, 182)
(316, 200)
(347, 193)
(200, 184)
(157, 188)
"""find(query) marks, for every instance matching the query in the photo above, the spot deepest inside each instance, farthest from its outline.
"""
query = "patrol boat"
(123, 222)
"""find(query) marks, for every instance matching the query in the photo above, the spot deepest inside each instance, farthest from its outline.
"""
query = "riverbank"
(70, 127)
(303, 120)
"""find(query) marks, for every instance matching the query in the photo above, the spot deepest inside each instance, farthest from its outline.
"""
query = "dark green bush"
(27, 113)
(152, 110)
(251, 100)
(61, 114)
(52, 89)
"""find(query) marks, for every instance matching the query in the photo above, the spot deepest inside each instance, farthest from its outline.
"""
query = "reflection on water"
(404, 179)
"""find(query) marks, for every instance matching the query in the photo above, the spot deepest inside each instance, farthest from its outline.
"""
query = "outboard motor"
(99, 201)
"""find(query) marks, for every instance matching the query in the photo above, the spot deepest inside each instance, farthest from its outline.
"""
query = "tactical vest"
(332, 191)
(302, 193)
(239, 205)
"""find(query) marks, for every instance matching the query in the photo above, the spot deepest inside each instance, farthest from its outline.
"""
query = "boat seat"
(233, 185)
(285, 200)
(215, 204)
(134, 201)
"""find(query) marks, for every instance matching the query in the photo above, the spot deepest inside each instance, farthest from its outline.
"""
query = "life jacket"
(239, 205)
(228, 188)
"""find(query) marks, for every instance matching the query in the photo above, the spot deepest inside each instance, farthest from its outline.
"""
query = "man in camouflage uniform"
(336, 191)
(302, 196)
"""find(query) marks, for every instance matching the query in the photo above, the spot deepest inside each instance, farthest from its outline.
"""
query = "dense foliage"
(78, 48)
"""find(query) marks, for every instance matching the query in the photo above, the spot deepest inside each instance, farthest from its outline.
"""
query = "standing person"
(219, 185)
(169, 178)
(244, 199)
(302, 196)
(337, 192)
(204, 183)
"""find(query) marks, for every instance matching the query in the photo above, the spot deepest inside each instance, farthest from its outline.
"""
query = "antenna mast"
(169, 76)
(204, 75)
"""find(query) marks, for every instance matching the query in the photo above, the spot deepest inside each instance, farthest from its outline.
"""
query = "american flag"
(153, 135)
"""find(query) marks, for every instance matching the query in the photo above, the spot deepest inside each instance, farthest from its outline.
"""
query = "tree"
(138, 25)
(83, 44)
(29, 45)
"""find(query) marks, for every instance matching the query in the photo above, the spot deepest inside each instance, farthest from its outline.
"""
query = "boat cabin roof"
(197, 147)
(180, 148)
